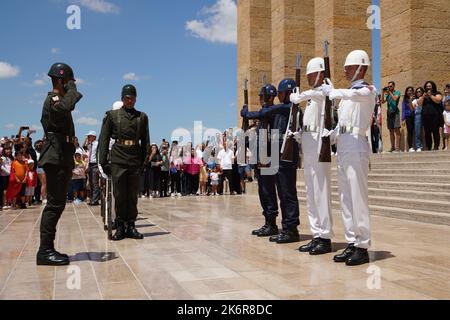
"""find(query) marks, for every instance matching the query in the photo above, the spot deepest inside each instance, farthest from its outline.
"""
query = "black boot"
(288, 236)
(360, 256)
(323, 246)
(347, 253)
(120, 231)
(133, 233)
(274, 238)
(257, 231)
(51, 257)
(271, 230)
(309, 246)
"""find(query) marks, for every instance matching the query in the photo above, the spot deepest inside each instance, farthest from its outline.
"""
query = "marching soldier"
(355, 113)
(129, 129)
(57, 157)
(317, 174)
(267, 183)
(286, 176)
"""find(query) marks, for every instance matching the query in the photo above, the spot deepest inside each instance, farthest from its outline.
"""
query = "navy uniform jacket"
(278, 119)
(123, 124)
(58, 126)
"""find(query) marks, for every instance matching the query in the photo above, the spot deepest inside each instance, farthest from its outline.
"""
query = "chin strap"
(356, 73)
(317, 79)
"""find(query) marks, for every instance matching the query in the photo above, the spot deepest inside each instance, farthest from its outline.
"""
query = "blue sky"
(181, 56)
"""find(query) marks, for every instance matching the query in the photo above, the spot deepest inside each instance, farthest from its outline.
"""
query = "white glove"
(296, 135)
(296, 97)
(327, 87)
(330, 133)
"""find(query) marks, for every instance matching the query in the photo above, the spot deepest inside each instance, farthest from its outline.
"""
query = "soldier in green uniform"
(57, 157)
(129, 130)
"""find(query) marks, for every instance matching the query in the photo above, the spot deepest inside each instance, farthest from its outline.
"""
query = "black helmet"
(129, 90)
(270, 89)
(287, 85)
(61, 71)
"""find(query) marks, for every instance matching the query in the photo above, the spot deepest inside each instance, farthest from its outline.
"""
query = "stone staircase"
(411, 186)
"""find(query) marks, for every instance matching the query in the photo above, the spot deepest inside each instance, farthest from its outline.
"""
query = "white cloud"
(220, 25)
(131, 76)
(8, 71)
(10, 126)
(41, 79)
(56, 50)
(88, 121)
(80, 81)
(100, 6)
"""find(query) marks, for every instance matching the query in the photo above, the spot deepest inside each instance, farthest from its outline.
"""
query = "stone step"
(411, 155)
(399, 202)
(412, 165)
(439, 218)
(410, 178)
(398, 193)
(408, 185)
(395, 171)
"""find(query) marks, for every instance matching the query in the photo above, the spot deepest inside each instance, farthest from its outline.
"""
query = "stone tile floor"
(201, 248)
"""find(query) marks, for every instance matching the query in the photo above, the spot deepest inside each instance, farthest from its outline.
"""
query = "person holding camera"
(408, 115)
(392, 97)
(431, 102)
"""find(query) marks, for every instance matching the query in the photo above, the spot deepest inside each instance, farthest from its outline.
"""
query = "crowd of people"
(170, 170)
(424, 112)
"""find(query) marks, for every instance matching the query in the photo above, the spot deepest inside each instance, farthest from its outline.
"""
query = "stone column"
(292, 34)
(254, 49)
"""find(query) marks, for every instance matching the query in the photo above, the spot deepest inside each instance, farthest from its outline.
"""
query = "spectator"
(17, 182)
(214, 181)
(78, 148)
(192, 164)
(226, 159)
(446, 97)
(377, 143)
(155, 161)
(203, 178)
(31, 182)
(5, 172)
(431, 114)
(165, 164)
(446, 116)
(175, 169)
(417, 104)
(41, 189)
(408, 116)
(92, 144)
(392, 97)
(78, 179)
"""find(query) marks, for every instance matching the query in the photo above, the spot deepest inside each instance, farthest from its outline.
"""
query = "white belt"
(310, 128)
(352, 130)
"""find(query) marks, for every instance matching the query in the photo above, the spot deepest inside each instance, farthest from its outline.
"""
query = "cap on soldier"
(270, 89)
(129, 91)
(287, 85)
(357, 58)
(61, 71)
(315, 65)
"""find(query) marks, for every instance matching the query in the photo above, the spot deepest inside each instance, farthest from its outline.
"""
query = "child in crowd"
(446, 116)
(78, 179)
(203, 178)
(17, 182)
(214, 181)
(31, 182)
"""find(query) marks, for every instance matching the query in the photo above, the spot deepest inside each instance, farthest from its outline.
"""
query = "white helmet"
(117, 105)
(357, 58)
(315, 65)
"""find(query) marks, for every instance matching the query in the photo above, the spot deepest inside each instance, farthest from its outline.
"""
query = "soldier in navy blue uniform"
(286, 176)
(267, 183)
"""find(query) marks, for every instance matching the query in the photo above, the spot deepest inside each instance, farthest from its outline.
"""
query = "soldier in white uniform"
(317, 174)
(355, 111)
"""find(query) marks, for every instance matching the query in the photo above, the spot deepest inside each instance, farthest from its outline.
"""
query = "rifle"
(265, 121)
(287, 148)
(245, 123)
(325, 150)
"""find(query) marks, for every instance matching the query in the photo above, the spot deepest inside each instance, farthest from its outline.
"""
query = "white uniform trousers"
(353, 171)
(318, 189)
